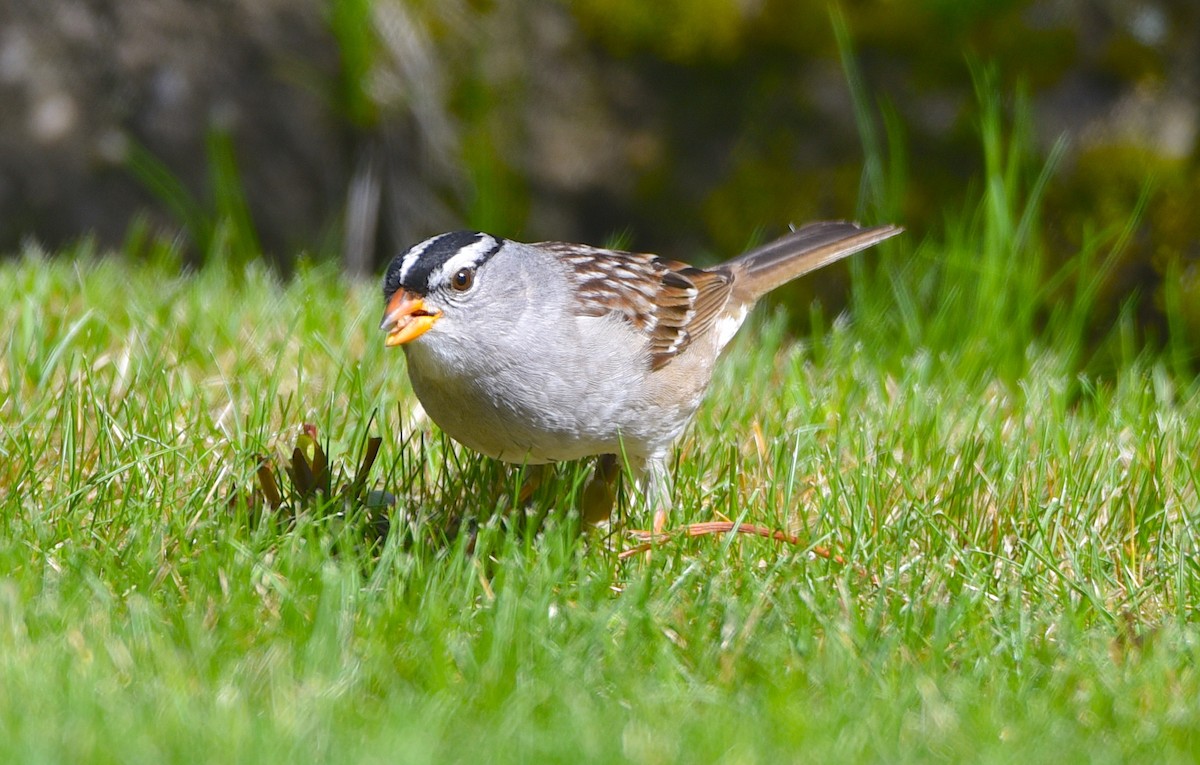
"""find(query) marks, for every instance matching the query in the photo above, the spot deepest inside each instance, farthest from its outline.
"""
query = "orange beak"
(406, 319)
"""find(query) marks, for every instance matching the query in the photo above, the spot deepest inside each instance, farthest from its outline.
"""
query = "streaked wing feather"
(672, 303)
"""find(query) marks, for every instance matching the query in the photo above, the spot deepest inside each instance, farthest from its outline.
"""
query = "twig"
(720, 527)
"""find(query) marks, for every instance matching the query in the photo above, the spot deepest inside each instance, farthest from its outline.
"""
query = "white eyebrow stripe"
(468, 257)
(413, 255)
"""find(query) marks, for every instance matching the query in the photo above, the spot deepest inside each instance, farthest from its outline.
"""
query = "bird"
(553, 351)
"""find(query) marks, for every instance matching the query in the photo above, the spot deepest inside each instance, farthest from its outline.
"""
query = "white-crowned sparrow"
(535, 353)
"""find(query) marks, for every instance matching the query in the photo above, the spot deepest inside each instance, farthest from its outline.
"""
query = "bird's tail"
(806, 249)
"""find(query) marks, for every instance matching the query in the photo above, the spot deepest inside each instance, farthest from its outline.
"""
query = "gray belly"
(529, 423)
(576, 399)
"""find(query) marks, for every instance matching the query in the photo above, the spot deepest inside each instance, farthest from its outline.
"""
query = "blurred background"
(349, 129)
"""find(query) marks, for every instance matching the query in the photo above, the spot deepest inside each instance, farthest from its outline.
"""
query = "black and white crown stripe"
(436, 259)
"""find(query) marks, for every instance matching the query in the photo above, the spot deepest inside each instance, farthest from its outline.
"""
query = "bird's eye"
(463, 279)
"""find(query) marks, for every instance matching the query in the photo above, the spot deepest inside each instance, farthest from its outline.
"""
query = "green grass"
(1012, 502)
(1019, 534)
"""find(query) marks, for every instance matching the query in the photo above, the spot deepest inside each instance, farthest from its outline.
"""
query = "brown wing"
(672, 303)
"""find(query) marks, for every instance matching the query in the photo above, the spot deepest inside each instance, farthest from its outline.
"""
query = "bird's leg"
(600, 494)
(516, 508)
(656, 490)
(653, 480)
(534, 475)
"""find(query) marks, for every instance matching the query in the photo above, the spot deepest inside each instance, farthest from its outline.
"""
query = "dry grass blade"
(305, 478)
(269, 484)
(364, 467)
(301, 474)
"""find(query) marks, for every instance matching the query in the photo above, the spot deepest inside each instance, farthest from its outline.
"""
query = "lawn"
(1010, 509)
